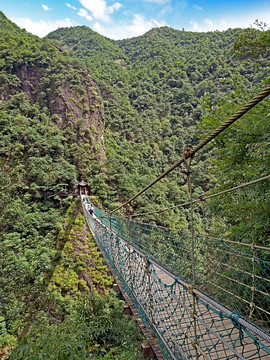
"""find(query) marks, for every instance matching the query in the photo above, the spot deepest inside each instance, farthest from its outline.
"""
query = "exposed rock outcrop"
(73, 99)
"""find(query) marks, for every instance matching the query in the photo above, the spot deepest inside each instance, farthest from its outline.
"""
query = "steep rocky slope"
(51, 80)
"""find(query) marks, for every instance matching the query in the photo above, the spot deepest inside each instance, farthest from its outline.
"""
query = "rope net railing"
(155, 267)
(178, 281)
(234, 273)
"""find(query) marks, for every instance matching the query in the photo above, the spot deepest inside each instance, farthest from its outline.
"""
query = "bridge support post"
(252, 305)
(186, 155)
(119, 264)
(149, 288)
(129, 254)
(147, 351)
(127, 310)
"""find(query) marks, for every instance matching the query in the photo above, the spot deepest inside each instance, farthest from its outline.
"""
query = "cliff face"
(30, 80)
(56, 85)
(72, 98)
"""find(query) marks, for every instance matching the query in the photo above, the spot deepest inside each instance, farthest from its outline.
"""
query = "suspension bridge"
(201, 297)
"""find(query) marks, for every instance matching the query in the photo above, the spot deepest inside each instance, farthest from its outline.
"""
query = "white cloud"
(160, 2)
(113, 7)
(209, 25)
(198, 7)
(195, 25)
(41, 28)
(71, 6)
(227, 22)
(45, 7)
(84, 13)
(138, 26)
(99, 8)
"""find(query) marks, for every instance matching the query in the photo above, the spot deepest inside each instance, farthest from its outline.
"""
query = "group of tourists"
(88, 206)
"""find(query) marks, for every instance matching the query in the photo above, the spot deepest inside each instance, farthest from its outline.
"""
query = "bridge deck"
(167, 306)
(244, 347)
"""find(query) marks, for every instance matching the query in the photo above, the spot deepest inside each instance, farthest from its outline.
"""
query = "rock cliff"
(72, 98)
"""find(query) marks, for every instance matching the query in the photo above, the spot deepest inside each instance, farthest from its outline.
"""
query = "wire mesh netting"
(155, 267)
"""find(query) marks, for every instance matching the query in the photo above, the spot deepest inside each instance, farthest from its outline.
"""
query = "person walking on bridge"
(91, 209)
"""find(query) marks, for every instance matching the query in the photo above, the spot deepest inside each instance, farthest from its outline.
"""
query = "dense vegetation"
(152, 92)
(156, 89)
(52, 279)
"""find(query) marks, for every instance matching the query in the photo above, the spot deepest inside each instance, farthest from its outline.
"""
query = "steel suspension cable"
(202, 198)
(249, 105)
(255, 246)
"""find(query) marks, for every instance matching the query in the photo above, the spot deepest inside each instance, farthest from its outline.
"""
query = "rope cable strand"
(202, 198)
(249, 105)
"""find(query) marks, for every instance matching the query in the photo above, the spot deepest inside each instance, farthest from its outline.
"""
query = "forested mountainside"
(51, 272)
(76, 105)
(156, 90)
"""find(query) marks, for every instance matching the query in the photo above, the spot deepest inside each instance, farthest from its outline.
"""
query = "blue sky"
(119, 19)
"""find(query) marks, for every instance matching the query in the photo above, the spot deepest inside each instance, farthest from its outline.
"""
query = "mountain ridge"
(76, 105)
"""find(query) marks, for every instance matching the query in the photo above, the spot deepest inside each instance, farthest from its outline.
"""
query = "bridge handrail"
(252, 331)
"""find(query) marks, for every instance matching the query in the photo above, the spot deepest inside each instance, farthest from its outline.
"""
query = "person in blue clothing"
(91, 209)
